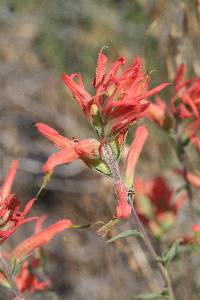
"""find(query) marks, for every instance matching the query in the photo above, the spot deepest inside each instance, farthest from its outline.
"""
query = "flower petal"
(83, 98)
(101, 62)
(6, 188)
(50, 133)
(64, 156)
(133, 155)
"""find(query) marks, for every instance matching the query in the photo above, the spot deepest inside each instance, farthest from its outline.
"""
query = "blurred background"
(39, 40)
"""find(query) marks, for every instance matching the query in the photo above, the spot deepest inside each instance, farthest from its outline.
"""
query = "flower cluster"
(11, 217)
(119, 100)
(119, 95)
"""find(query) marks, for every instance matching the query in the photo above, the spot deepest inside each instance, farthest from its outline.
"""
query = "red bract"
(120, 94)
(10, 215)
(39, 239)
(154, 202)
(141, 135)
(69, 149)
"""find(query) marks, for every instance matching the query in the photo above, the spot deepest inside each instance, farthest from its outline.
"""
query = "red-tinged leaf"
(6, 188)
(50, 133)
(64, 156)
(26, 247)
(134, 153)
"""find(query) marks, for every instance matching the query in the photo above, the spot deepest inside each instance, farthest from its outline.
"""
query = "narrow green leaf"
(46, 180)
(171, 254)
(124, 234)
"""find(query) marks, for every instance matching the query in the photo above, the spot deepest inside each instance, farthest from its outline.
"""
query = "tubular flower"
(119, 95)
(10, 215)
(123, 208)
(69, 149)
(155, 205)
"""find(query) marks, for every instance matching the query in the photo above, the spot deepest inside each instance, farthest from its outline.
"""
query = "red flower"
(69, 149)
(120, 94)
(185, 102)
(28, 279)
(10, 215)
(154, 203)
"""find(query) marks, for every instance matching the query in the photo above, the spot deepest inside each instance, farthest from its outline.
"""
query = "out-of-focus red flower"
(155, 205)
(185, 101)
(158, 112)
(120, 94)
(10, 215)
(29, 277)
(69, 149)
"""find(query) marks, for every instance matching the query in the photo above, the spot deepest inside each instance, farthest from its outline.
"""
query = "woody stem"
(16, 293)
(115, 172)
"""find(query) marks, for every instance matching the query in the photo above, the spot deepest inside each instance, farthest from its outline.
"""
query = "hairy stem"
(114, 169)
(16, 293)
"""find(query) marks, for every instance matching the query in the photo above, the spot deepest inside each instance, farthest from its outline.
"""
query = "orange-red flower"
(120, 94)
(69, 149)
(10, 215)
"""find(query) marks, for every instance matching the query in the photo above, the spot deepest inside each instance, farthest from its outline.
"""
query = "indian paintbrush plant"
(120, 99)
